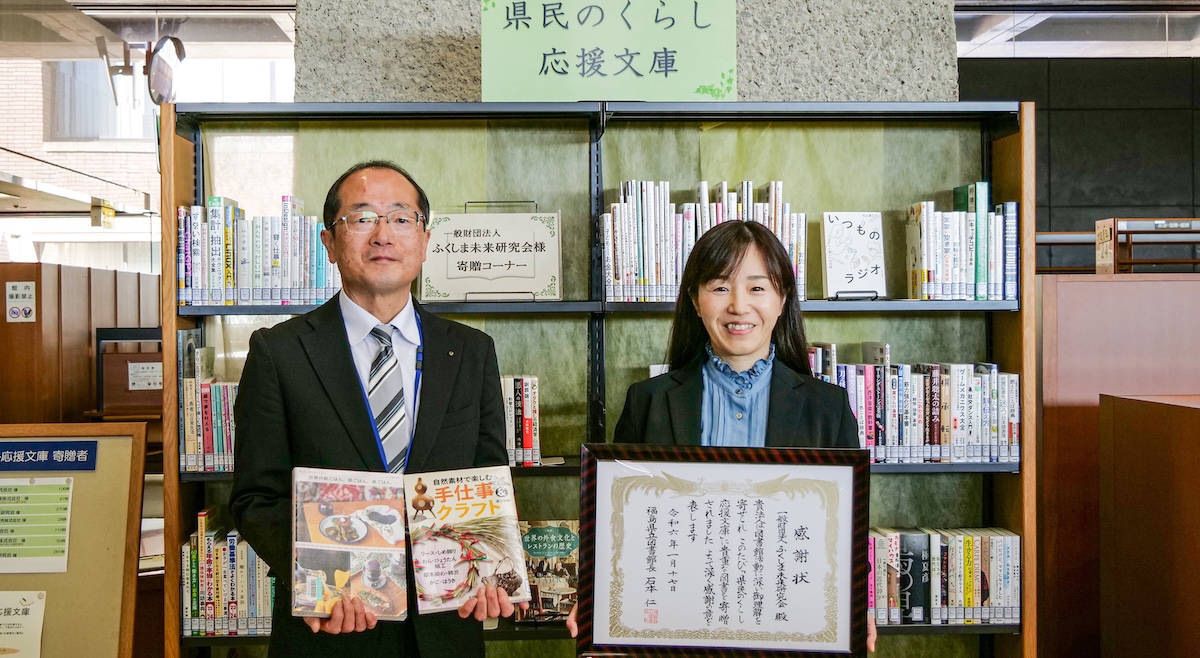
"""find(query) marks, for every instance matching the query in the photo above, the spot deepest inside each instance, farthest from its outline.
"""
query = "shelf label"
(672, 50)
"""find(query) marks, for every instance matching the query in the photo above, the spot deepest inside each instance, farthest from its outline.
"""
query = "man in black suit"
(303, 401)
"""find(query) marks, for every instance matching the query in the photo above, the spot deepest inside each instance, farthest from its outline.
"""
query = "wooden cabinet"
(586, 351)
(1149, 519)
(54, 358)
(1103, 334)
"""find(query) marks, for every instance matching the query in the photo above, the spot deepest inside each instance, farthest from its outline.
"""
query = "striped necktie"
(385, 392)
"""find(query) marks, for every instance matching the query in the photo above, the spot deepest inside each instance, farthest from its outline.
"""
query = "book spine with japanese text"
(227, 256)
(949, 576)
(647, 239)
(348, 540)
(464, 533)
(219, 584)
(932, 412)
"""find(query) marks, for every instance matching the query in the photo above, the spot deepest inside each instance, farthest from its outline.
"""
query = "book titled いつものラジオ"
(464, 532)
(348, 540)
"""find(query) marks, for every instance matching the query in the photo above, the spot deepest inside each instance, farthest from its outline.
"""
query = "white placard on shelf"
(493, 256)
(854, 255)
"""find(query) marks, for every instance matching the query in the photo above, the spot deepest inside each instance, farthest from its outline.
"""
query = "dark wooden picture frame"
(592, 454)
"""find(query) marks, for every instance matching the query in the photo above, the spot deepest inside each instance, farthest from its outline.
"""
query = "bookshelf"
(569, 156)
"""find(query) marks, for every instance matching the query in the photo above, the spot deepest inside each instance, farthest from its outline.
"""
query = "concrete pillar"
(788, 50)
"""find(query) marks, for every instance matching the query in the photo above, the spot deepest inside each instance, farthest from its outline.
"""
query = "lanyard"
(416, 392)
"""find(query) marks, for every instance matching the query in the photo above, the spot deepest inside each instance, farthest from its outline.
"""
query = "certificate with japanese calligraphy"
(492, 257)
(464, 532)
(753, 556)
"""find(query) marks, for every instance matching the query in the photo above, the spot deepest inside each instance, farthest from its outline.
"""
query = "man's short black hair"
(333, 201)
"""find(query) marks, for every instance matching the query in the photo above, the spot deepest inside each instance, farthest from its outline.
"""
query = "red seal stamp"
(650, 615)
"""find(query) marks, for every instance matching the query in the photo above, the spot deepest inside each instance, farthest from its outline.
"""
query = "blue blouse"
(734, 410)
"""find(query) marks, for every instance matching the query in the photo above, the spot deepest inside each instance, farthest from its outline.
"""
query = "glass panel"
(1076, 34)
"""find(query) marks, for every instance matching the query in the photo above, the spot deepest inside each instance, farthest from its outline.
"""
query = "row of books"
(522, 429)
(647, 238)
(225, 258)
(944, 576)
(206, 428)
(969, 253)
(927, 412)
(225, 589)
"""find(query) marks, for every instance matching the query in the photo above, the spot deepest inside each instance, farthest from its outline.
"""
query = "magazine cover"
(348, 540)
(464, 533)
(552, 563)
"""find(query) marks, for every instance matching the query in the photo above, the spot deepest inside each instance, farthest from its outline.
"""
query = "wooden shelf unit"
(1005, 137)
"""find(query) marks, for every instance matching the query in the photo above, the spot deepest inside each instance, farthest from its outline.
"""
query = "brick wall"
(22, 129)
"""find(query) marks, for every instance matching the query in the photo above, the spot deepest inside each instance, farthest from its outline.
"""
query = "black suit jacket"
(300, 403)
(802, 412)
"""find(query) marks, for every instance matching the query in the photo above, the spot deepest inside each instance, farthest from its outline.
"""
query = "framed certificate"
(723, 551)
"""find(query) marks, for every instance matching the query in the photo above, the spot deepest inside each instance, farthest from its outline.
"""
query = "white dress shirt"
(405, 339)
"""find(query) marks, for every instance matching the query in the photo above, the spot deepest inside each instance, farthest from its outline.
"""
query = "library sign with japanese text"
(492, 256)
(661, 50)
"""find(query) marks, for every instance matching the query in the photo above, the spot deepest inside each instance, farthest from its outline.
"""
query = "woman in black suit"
(739, 371)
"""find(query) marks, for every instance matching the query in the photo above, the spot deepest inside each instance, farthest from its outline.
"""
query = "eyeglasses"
(365, 221)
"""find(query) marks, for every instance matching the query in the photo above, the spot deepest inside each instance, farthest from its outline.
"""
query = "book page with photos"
(348, 540)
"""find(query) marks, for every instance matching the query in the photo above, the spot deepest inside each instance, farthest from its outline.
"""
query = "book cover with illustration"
(464, 533)
(552, 565)
(348, 539)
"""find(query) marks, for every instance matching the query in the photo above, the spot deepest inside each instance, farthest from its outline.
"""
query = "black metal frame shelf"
(206, 476)
(199, 641)
(950, 629)
(948, 467)
(856, 306)
(571, 468)
(448, 308)
(512, 631)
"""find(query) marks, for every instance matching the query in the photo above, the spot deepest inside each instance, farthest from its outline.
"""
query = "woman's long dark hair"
(717, 254)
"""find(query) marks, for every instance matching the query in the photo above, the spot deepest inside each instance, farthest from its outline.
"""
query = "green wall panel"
(531, 648)
(941, 500)
(632, 344)
(555, 349)
(546, 162)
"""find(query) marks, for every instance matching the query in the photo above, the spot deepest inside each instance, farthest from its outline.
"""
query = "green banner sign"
(651, 50)
(550, 542)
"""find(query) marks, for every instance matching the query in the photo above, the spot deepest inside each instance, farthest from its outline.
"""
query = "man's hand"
(489, 602)
(346, 616)
(572, 624)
